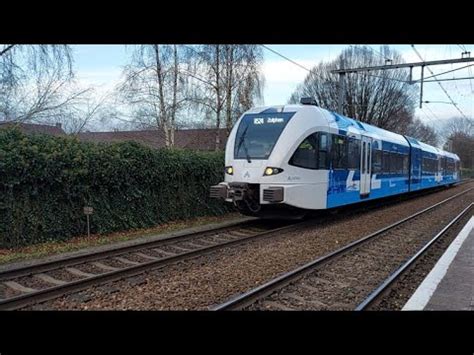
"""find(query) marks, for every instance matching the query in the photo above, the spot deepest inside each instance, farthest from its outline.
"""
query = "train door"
(365, 166)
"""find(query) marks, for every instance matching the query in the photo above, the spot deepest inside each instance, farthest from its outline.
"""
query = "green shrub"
(46, 181)
(467, 173)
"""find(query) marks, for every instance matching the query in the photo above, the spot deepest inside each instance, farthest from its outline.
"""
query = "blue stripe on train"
(341, 193)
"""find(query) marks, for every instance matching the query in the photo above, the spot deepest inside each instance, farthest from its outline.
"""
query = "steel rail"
(384, 286)
(45, 266)
(42, 295)
(251, 296)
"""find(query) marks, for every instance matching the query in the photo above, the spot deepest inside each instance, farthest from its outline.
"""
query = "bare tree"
(242, 80)
(34, 80)
(420, 131)
(91, 109)
(379, 97)
(459, 135)
(17, 62)
(457, 125)
(229, 82)
(155, 87)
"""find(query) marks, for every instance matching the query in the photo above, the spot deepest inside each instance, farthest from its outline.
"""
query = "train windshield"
(258, 133)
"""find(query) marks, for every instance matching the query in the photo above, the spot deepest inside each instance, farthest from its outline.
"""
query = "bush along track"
(46, 181)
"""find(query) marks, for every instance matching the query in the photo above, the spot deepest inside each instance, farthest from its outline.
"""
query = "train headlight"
(229, 170)
(272, 171)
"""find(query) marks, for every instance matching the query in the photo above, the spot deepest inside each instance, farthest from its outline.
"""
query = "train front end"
(258, 179)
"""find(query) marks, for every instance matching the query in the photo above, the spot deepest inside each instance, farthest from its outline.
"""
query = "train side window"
(400, 163)
(323, 162)
(405, 164)
(305, 155)
(394, 163)
(430, 166)
(386, 162)
(377, 162)
(450, 166)
(427, 166)
(339, 152)
(353, 153)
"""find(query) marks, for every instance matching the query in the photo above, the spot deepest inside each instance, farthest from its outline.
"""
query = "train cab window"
(305, 155)
(353, 153)
(377, 162)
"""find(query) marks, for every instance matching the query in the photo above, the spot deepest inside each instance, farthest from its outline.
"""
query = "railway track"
(27, 285)
(331, 281)
(40, 282)
(386, 285)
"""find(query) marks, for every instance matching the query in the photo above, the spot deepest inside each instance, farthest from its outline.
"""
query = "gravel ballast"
(210, 279)
(344, 282)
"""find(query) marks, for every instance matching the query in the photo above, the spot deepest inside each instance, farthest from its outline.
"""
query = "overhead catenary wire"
(429, 117)
(296, 63)
(431, 111)
(441, 86)
(376, 52)
(285, 57)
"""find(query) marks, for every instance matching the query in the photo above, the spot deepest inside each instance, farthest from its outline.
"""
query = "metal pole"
(401, 65)
(88, 228)
(341, 93)
(411, 75)
(421, 85)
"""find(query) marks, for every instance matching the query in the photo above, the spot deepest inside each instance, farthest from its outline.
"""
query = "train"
(288, 160)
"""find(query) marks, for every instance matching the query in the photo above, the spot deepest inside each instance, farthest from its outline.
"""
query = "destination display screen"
(258, 133)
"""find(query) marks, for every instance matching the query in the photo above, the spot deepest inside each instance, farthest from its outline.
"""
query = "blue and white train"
(298, 158)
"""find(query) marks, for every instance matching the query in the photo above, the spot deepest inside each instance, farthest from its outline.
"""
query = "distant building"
(30, 128)
(194, 139)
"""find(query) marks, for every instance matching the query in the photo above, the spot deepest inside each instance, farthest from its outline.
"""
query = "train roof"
(350, 124)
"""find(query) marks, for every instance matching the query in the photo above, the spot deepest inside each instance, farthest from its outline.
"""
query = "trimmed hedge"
(467, 173)
(46, 181)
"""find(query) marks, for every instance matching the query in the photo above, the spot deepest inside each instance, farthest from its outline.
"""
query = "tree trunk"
(229, 65)
(175, 93)
(163, 114)
(218, 99)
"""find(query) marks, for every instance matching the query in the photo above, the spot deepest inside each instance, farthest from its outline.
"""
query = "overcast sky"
(101, 65)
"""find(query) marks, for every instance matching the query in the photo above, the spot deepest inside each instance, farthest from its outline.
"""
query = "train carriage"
(295, 158)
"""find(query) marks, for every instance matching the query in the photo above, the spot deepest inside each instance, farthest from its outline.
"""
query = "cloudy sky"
(101, 66)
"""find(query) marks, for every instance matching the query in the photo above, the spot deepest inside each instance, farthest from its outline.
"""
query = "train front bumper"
(220, 191)
(240, 191)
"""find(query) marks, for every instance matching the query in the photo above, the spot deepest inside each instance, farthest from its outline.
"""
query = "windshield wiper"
(247, 153)
(241, 140)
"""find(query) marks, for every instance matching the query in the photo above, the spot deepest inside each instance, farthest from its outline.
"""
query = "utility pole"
(421, 84)
(342, 89)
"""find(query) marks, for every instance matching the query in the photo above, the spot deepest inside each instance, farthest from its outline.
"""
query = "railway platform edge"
(450, 284)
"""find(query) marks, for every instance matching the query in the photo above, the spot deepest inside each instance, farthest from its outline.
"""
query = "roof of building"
(30, 128)
(196, 139)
